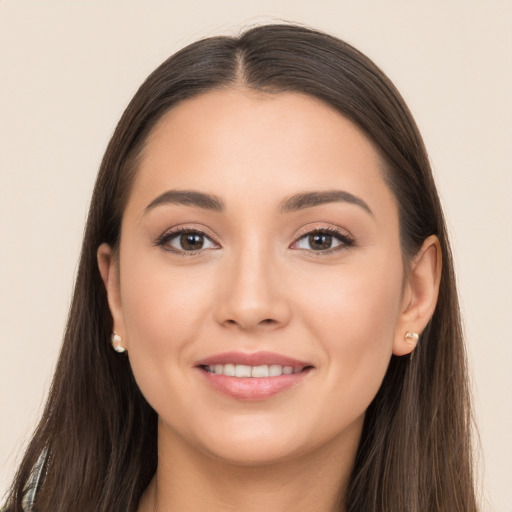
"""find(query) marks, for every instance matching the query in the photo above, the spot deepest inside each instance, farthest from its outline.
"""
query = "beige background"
(67, 70)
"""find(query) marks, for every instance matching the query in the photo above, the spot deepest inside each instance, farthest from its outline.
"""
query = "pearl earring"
(116, 343)
(411, 338)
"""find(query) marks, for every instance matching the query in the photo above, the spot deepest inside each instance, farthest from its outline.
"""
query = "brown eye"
(191, 241)
(320, 241)
(186, 241)
(323, 241)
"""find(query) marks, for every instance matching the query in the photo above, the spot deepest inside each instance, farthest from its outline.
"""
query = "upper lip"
(253, 359)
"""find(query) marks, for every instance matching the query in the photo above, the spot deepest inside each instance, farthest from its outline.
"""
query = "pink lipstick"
(255, 376)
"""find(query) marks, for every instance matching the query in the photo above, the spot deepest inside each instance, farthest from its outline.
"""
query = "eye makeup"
(190, 241)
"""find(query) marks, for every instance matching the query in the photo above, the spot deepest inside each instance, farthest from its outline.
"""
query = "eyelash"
(166, 237)
(345, 240)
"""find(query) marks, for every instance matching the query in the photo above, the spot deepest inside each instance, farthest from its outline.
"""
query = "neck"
(188, 480)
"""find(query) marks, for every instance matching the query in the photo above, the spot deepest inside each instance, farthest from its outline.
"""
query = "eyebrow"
(187, 198)
(309, 199)
(294, 203)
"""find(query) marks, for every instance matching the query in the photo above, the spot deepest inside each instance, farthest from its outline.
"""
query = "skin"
(258, 284)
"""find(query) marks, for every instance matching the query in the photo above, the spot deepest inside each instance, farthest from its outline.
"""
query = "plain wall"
(68, 69)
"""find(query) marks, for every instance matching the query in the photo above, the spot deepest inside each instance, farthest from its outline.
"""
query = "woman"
(265, 252)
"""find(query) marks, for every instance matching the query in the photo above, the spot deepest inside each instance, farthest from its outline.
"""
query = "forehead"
(238, 141)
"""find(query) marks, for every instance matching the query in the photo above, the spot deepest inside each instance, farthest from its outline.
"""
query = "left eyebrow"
(187, 198)
(310, 199)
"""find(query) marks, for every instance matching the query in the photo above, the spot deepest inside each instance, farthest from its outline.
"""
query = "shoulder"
(34, 481)
(32, 486)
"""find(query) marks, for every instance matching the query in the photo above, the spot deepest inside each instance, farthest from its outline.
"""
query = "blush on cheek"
(162, 303)
(355, 318)
(160, 326)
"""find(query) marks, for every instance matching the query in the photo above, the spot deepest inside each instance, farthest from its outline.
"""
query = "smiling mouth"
(256, 372)
(253, 377)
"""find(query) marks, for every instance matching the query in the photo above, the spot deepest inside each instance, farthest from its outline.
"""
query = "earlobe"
(420, 296)
(109, 270)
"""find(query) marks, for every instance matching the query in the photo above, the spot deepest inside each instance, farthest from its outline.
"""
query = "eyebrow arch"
(309, 199)
(292, 204)
(187, 198)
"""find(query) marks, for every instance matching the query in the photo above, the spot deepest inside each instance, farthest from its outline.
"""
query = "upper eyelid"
(334, 234)
(176, 230)
(321, 228)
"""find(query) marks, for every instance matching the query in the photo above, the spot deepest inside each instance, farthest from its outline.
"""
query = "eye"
(323, 240)
(186, 240)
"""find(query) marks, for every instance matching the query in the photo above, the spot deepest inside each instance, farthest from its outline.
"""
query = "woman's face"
(259, 239)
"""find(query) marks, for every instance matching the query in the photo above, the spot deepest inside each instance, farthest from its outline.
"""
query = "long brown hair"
(97, 436)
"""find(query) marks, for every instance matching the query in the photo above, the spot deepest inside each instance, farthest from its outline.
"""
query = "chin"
(263, 443)
(249, 444)
(260, 453)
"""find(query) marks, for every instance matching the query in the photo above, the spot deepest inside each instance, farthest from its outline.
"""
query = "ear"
(108, 265)
(421, 290)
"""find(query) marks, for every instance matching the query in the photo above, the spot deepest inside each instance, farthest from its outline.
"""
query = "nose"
(251, 295)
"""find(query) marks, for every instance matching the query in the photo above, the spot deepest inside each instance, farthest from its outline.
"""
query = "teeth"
(242, 370)
(274, 370)
(259, 371)
(229, 369)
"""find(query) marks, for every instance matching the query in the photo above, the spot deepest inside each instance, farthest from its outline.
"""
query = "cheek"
(353, 317)
(162, 305)
(164, 309)
(354, 302)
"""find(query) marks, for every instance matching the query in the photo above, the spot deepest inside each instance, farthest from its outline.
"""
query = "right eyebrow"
(187, 198)
(316, 198)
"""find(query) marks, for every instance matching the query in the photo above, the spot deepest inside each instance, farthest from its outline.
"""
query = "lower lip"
(252, 388)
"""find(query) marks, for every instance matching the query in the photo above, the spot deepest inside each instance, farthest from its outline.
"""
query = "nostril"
(268, 321)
